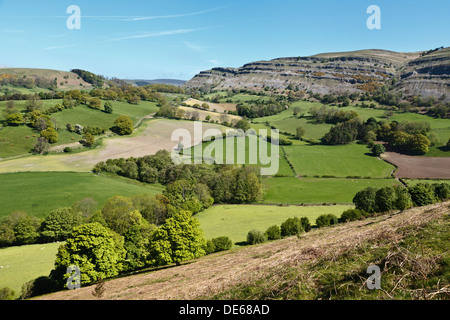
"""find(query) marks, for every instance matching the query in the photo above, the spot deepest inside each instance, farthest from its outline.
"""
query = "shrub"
(305, 224)
(441, 190)
(422, 194)
(403, 200)
(291, 227)
(108, 107)
(273, 233)
(364, 200)
(67, 149)
(50, 135)
(14, 119)
(123, 125)
(350, 215)
(210, 248)
(222, 243)
(378, 149)
(385, 199)
(326, 220)
(7, 293)
(255, 237)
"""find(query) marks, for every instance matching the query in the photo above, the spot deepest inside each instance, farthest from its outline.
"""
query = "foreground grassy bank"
(309, 266)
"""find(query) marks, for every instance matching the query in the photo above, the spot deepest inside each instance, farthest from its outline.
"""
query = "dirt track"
(419, 167)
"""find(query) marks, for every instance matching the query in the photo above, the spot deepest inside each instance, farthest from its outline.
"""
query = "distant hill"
(41, 78)
(141, 82)
(411, 73)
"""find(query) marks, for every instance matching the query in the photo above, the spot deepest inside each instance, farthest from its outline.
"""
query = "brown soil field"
(219, 107)
(213, 115)
(149, 138)
(419, 167)
(219, 272)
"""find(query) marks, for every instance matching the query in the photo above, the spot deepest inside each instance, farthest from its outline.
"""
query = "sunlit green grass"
(290, 190)
(235, 221)
(38, 193)
(21, 264)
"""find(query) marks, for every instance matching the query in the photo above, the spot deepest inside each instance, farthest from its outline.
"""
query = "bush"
(7, 293)
(222, 244)
(378, 149)
(422, 194)
(403, 200)
(273, 233)
(50, 135)
(123, 125)
(441, 190)
(255, 237)
(326, 220)
(67, 149)
(305, 224)
(210, 247)
(385, 199)
(364, 200)
(108, 107)
(350, 215)
(291, 227)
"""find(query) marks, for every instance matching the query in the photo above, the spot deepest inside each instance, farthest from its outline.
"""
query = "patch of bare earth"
(216, 273)
(215, 107)
(419, 167)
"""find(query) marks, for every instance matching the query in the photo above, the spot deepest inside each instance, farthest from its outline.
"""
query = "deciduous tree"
(179, 239)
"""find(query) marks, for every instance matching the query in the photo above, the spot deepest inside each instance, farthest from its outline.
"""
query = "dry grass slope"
(212, 275)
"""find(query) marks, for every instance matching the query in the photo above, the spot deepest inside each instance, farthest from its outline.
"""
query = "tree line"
(261, 108)
(410, 137)
(224, 183)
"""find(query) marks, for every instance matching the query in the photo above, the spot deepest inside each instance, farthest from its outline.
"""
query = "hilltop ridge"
(410, 73)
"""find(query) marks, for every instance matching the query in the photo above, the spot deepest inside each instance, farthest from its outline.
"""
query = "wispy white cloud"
(214, 62)
(169, 16)
(12, 31)
(143, 18)
(59, 47)
(194, 47)
(61, 35)
(154, 34)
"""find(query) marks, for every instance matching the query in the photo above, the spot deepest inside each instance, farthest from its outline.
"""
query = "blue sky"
(177, 39)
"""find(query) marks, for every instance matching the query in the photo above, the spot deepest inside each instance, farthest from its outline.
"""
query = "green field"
(221, 153)
(38, 193)
(286, 122)
(235, 221)
(413, 182)
(289, 190)
(20, 140)
(24, 263)
(338, 161)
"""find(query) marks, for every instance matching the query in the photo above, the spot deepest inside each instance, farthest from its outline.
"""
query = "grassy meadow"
(21, 264)
(235, 221)
(338, 161)
(290, 190)
(38, 193)
(20, 140)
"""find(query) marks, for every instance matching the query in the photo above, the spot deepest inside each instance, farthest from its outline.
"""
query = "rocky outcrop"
(356, 71)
